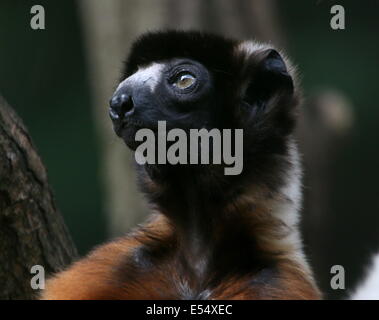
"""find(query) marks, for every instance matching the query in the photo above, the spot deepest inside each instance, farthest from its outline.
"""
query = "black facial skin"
(195, 107)
(188, 108)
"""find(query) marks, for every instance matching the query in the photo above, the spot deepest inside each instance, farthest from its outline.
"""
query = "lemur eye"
(184, 81)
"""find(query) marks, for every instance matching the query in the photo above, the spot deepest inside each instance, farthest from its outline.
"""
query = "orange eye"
(184, 81)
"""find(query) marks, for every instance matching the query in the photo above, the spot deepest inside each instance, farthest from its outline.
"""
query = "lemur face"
(193, 80)
(178, 91)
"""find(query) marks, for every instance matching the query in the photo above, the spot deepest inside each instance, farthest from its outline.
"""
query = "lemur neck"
(257, 223)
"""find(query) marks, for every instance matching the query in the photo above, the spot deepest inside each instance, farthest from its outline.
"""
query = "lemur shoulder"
(210, 235)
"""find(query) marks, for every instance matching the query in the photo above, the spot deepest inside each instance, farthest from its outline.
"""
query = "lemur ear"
(269, 77)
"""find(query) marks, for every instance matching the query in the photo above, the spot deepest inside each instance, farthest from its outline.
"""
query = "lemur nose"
(120, 104)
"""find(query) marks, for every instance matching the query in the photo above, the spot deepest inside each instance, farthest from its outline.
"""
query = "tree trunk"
(32, 231)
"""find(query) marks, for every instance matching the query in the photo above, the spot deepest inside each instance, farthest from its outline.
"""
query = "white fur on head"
(149, 76)
(249, 48)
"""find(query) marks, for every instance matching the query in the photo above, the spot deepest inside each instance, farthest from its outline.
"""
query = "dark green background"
(43, 76)
(346, 60)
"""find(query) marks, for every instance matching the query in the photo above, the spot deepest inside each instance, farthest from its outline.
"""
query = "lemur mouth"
(126, 129)
(130, 124)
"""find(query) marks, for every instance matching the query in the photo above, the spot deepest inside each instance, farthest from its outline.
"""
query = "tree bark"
(32, 231)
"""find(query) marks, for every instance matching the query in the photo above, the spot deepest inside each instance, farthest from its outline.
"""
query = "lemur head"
(193, 80)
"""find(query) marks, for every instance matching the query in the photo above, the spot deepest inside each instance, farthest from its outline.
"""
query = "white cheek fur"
(369, 287)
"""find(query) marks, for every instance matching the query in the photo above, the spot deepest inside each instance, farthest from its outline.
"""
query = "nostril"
(127, 102)
(119, 105)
